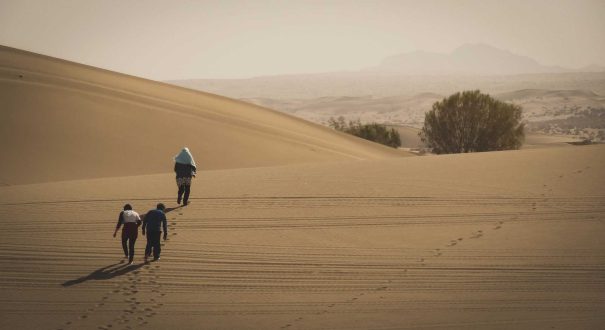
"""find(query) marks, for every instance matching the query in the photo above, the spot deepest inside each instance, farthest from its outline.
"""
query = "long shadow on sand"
(105, 273)
(166, 210)
(113, 270)
(170, 209)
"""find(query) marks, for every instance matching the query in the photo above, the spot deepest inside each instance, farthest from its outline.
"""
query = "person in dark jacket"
(185, 169)
(154, 222)
(131, 222)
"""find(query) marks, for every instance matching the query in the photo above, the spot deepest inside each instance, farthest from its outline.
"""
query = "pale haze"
(285, 221)
(165, 40)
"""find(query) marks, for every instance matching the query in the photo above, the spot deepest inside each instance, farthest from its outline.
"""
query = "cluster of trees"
(472, 122)
(467, 121)
(373, 132)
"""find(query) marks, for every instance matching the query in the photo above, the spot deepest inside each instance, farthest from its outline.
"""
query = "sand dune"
(317, 240)
(65, 121)
(495, 240)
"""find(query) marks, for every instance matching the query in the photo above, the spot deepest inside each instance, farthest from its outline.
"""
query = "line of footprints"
(144, 279)
(436, 253)
(439, 252)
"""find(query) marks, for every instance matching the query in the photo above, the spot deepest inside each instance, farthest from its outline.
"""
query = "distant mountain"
(471, 66)
(474, 59)
(379, 84)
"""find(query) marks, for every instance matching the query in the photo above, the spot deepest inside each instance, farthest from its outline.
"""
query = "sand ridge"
(65, 121)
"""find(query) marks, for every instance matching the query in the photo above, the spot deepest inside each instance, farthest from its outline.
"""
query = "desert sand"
(494, 240)
(54, 113)
(290, 226)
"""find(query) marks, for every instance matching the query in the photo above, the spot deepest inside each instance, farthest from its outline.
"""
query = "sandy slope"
(507, 240)
(65, 121)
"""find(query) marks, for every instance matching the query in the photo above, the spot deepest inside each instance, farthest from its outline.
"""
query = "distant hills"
(380, 84)
(401, 88)
(470, 66)
(475, 59)
(538, 105)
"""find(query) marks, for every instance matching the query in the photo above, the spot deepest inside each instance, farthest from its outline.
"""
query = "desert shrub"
(374, 132)
(472, 122)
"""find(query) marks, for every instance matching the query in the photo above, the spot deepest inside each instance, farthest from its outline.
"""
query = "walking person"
(154, 222)
(131, 222)
(184, 167)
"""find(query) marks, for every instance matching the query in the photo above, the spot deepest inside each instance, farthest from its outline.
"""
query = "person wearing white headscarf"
(185, 169)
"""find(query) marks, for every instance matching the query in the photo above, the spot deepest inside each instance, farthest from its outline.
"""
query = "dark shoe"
(178, 201)
(185, 203)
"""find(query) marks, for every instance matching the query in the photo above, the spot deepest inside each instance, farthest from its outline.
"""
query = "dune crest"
(63, 121)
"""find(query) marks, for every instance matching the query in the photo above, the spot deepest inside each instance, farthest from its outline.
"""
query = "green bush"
(373, 132)
(472, 122)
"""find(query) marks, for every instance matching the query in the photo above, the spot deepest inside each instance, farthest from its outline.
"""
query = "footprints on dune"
(137, 312)
(560, 177)
(378, 292)
(172, 225)
(454, 242)
(143, 281)
(578, 171)
(474, 235)
(89, 311)
(331, 306)
(421, 261)
(290, 324)
(581, 170)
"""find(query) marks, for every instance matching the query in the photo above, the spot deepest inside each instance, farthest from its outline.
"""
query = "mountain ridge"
(475, 59)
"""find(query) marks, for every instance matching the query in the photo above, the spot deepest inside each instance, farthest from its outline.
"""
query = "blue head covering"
(185, 157)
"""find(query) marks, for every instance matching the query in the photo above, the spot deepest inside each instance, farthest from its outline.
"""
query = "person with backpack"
(185, 169)
(131, 222)
(153, 224)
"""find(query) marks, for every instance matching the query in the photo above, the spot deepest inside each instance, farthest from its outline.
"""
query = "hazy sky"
(228, 39)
